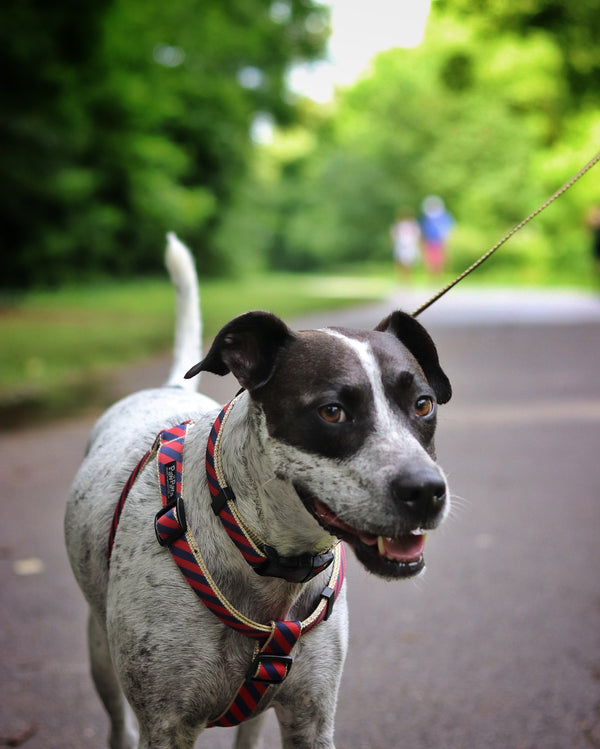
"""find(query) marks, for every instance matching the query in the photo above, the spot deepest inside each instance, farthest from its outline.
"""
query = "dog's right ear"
(248, 347)
(418, 341)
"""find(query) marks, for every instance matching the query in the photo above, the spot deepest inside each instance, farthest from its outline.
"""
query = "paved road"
(498, 645)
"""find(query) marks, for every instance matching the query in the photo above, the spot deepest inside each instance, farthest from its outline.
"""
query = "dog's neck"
(269, 505)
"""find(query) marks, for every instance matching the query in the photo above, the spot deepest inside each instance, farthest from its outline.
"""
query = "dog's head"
(349, 418)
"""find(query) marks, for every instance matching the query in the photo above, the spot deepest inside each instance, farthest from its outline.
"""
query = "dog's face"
(349, 420)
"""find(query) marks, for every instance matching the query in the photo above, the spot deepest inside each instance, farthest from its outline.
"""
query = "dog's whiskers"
(461, 503)
(417, 582)
(458, 505)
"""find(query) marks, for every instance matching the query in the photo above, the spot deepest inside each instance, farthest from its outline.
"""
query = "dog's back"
(126, 430)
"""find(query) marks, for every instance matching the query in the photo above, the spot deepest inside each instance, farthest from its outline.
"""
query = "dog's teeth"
(417, 532)
(381, 546)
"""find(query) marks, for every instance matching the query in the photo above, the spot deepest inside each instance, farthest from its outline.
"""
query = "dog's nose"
(421, 495)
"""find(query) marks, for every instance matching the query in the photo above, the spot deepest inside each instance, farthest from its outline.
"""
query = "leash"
(274, 641)
(509, 234)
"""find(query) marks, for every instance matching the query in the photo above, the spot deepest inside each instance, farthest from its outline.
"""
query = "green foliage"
(66, 344)
(571, 27)
(122, 119)
(482, 114)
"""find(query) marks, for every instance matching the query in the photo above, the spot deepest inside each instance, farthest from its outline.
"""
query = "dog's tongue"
(407, 548)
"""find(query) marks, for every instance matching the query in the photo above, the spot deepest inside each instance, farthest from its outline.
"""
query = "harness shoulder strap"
(275, 641)
(172, 531)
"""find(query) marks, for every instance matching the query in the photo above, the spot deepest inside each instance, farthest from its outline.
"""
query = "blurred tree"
(422, 121)
(573, 26)
(121, 119)
(486, 120)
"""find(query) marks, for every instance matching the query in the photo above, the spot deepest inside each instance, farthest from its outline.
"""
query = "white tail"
(188, 324)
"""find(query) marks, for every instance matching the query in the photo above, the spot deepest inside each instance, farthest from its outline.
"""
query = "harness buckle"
(168, 526)
(329, 594)
(264, 668)
(219, 501)
(297, 569)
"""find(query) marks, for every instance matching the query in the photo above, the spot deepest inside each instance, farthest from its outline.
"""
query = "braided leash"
(507, 236)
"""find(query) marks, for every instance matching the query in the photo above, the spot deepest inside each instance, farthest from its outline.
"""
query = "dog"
(332, 437)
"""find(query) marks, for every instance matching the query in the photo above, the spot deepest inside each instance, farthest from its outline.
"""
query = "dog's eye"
(424, 406)
(333, 414)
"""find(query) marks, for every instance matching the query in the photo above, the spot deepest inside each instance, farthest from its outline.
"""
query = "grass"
(58, 347)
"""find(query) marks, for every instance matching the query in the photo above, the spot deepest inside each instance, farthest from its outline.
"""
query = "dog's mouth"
(396, 557)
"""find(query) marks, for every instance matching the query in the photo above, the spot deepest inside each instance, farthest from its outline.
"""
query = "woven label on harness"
(170, 462)
(172, 478)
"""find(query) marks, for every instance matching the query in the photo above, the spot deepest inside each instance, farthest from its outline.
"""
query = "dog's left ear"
(248, 347)
(418, 341)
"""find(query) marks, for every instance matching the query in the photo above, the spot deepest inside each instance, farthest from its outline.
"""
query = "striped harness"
(274, 642)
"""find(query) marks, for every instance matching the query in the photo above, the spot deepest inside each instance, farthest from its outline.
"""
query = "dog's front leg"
(123, 734)
(307, 730)
(306, 713)
(248, 734)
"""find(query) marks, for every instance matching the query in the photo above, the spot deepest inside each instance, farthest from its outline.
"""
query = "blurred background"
(329, 161)
(276, 138)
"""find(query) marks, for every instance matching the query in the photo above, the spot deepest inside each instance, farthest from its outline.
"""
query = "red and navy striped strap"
(165, 436)
(172, 531)
(262, 558)
(223, 499)
(121, 503)
(275, 641)
(270, 666)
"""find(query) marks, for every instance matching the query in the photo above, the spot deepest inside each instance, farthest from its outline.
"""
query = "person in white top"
(406, 235)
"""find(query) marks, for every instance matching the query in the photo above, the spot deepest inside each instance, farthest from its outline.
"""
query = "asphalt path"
(497, 645)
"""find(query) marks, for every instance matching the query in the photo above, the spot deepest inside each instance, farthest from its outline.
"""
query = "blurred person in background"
(436, 224)
(406, 235)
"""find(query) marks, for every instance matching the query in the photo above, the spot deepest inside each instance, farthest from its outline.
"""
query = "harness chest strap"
(274, 641)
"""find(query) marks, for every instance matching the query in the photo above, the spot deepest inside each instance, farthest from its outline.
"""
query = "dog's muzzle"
(388, 556)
